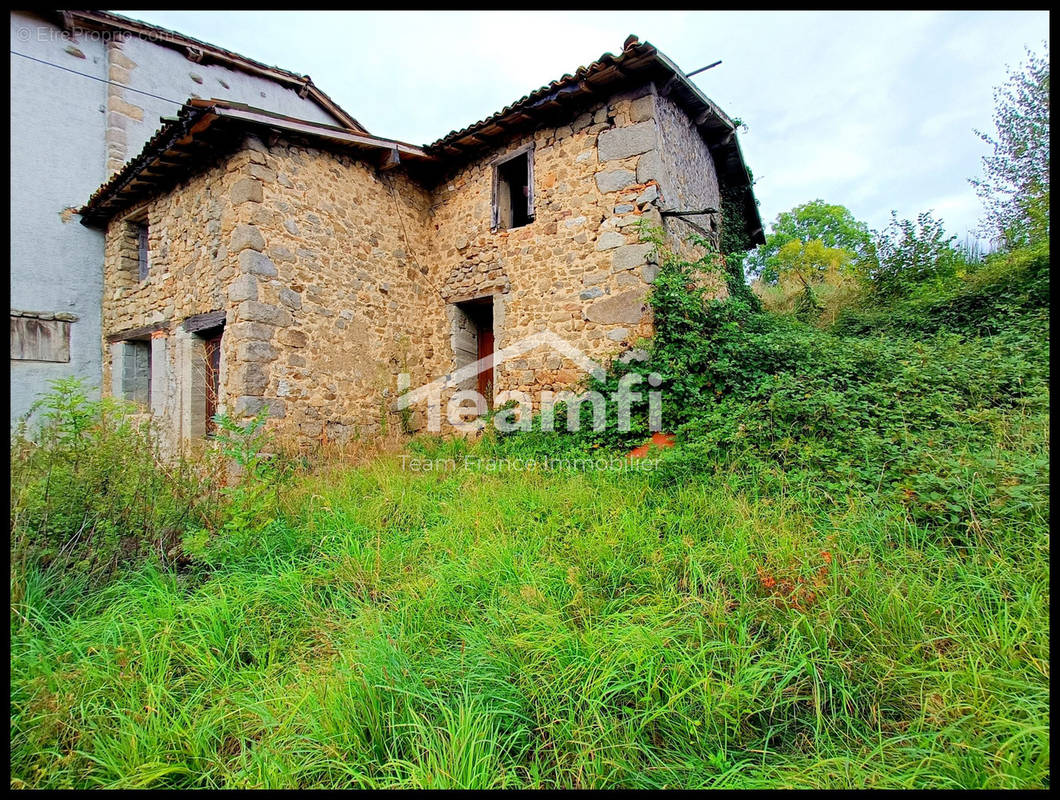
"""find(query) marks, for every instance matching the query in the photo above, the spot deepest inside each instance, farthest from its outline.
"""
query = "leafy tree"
(811, 262)
(833, 226)
(1015, 185)
(912, 253)
(812, 258)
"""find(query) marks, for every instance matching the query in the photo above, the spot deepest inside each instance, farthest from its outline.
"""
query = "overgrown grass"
(471, 629)
(838, 578)
(91, 490)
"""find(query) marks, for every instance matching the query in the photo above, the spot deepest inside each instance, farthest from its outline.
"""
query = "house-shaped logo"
(457, 410)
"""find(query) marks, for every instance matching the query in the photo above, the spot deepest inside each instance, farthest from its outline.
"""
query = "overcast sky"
(871, 110)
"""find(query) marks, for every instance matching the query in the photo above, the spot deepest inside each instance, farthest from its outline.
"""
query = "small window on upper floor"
(513, 191)
(136, 245)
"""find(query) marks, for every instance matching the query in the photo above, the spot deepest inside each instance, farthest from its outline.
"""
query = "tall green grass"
(839, 577)
(472, 629)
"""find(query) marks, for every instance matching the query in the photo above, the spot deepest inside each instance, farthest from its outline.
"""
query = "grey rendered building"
(88, 89)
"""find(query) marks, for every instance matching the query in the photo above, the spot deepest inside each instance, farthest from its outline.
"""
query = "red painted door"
(485, 375)
(212, 358)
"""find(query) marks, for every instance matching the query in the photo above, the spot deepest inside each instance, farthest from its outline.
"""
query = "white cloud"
(874, 110)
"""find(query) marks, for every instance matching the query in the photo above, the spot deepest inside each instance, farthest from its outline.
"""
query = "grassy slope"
(738, 629)
(575, 630)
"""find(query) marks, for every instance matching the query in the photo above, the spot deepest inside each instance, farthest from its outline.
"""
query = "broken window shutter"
(495, 211)
(530, 183)
(34, 339)
(141, 247)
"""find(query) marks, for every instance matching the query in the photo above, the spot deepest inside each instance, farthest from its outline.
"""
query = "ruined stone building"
(87, 91)
(255, 259)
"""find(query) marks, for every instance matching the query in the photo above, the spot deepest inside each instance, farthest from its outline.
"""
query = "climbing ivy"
(734, 243)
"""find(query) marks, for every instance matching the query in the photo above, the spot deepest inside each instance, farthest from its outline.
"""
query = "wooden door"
(485, 375)
(212, 359)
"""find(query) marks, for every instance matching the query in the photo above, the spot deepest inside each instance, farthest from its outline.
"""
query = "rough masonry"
(332, 271)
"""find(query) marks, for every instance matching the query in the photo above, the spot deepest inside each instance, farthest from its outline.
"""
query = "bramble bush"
(904, 401)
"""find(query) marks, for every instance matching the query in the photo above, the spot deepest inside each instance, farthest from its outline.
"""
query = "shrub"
(90, 490)
(821, 299)
(911, 254)
(848, 411)
(1007, 290)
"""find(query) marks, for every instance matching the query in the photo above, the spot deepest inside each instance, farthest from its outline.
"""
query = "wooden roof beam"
(634, 63)
(670, 85)
(604, 76)
(722, 139)
(391, 160)
(470, 140)
(574, 93)
(548, 104)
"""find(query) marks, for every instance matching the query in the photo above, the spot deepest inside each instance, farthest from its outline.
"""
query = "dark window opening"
(135, 250)
(141, 250)
(513, 201)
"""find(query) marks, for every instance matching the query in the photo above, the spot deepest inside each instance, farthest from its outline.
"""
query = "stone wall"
(320, 264)
(335, 276)
(579, 269)
(189, 272)
(691, 181)
(343, 273)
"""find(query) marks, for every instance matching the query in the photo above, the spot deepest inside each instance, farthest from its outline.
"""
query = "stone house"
(87, 90)
(255, 260)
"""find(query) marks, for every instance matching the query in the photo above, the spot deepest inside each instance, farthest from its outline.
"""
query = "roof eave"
(93, 19)
(638, 61)
(186, 132)
(754, 225)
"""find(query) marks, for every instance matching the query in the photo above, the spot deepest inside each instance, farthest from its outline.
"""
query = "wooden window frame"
(137, 231)
(496, 164)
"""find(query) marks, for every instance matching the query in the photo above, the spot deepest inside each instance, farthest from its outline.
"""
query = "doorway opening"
(473, 342)
(200, 378)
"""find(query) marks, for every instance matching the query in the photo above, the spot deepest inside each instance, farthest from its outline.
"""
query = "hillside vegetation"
(838, 577)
